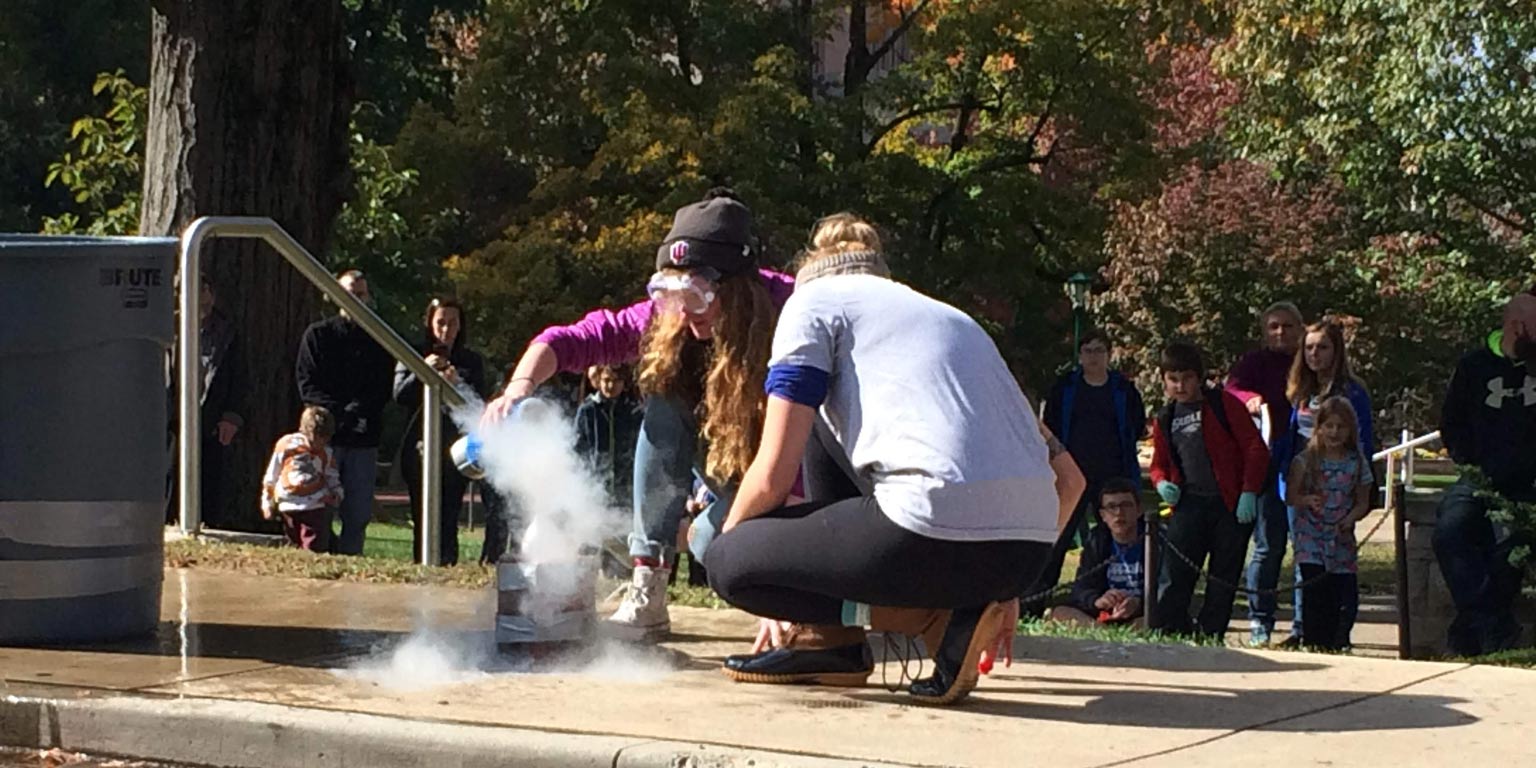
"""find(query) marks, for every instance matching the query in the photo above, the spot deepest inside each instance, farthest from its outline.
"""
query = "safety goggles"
(690, 292)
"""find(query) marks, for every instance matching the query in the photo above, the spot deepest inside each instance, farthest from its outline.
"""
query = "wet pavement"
(425, 655)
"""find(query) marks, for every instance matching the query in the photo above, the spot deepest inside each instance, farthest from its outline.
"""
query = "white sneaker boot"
(643, 613)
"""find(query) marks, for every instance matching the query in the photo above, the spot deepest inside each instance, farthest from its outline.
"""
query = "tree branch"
(916, 112)
(1492, 213)
(896, 34)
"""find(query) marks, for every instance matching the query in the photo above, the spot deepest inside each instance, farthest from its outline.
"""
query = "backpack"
(301, 471)
(1218, 406)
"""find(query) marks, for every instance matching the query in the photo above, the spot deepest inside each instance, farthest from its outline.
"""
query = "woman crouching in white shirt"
(950, 507)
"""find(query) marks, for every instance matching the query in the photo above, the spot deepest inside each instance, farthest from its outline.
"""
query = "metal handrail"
(435, 389)
(1405, 448)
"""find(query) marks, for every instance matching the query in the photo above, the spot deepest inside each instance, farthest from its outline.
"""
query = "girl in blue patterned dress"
(1329, 485)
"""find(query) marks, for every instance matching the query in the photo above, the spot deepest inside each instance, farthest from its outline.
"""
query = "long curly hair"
(725, 381)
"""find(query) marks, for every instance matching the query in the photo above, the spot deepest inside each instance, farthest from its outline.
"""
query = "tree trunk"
(249, 102)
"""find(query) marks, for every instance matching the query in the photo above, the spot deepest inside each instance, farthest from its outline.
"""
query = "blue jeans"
(666, 455)
(359, 468)
(1270, 534)
(1474, 558)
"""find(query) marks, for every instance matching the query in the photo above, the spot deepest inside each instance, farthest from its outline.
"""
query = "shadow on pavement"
(1165, 658)
(295, 646)
(1297, 711)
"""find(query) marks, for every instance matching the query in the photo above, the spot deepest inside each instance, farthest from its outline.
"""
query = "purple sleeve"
(780, 286)
(1243, 382)
(608, 337)
(603, 337)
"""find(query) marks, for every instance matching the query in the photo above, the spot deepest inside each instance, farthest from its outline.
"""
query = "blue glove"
(1168, 491)
(1247, 507)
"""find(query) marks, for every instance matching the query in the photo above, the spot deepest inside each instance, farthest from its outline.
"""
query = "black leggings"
(800, 563)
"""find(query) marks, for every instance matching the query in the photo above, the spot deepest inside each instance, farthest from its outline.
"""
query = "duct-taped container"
(86, 324)
(547, 602)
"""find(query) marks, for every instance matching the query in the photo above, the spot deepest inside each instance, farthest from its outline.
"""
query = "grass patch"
(1108, 633)
(1516, 657)
(392, 541)
(259, 560)
(682, 593)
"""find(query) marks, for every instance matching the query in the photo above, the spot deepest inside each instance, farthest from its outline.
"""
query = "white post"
(431, 471)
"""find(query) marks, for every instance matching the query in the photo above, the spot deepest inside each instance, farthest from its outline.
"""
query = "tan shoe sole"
(834, 679)
(986, 631)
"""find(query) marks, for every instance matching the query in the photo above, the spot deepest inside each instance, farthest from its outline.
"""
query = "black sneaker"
(848, 665)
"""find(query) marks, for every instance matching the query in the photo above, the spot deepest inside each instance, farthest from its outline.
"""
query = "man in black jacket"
(221, 400)
(1488, 422)
(343, 369)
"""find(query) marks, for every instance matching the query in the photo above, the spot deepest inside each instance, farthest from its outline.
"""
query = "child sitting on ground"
(1329, 486)
(1111, 572)
(302, 482)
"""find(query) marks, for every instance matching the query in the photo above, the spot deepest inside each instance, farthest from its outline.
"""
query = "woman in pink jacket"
(701, 344)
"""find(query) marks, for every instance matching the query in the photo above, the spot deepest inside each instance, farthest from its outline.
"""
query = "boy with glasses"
(1111, 575)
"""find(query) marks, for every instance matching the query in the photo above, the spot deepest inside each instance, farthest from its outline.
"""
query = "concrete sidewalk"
(275, 672)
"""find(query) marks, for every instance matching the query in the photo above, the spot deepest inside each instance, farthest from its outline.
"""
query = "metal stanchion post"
(1399, 512)
(431, 474)
(1149, 575)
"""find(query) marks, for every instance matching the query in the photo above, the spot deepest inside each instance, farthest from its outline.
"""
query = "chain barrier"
(1301, 584)
(905, 649)
(1064, 587)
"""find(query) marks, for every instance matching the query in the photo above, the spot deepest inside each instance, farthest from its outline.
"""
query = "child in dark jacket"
(1209, 463)
(1111, 574)
(607, 425)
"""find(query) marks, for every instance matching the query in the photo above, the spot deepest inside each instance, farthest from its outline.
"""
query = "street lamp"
(1077, 287)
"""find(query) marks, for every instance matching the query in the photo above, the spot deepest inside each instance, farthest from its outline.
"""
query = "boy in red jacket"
(1209, 464)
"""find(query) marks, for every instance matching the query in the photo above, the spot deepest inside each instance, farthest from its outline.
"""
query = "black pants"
(501, 519)
(1474, 559)
(1084, 516)
(211, 472)
(453, 485)
(1323, 607)
(1207, 532)
(800, 563)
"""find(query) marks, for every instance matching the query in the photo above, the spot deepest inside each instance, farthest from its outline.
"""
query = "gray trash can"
(85, 327)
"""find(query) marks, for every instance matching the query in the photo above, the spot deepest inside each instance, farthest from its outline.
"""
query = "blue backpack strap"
(1122, 425)
(1068, 397)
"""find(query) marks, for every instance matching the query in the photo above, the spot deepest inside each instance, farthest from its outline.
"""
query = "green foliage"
(1261, 210)
(372, 235)
(104, 172)
(1425, 107)
(398, 51)
(50, 53)
(990, 149)
(1518, 516)
(1424, 114)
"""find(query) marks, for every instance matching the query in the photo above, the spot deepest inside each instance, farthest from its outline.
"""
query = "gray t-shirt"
(927, 410)
(1189, 445)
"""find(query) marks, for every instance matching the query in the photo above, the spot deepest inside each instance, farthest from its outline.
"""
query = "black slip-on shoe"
(848, 665)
